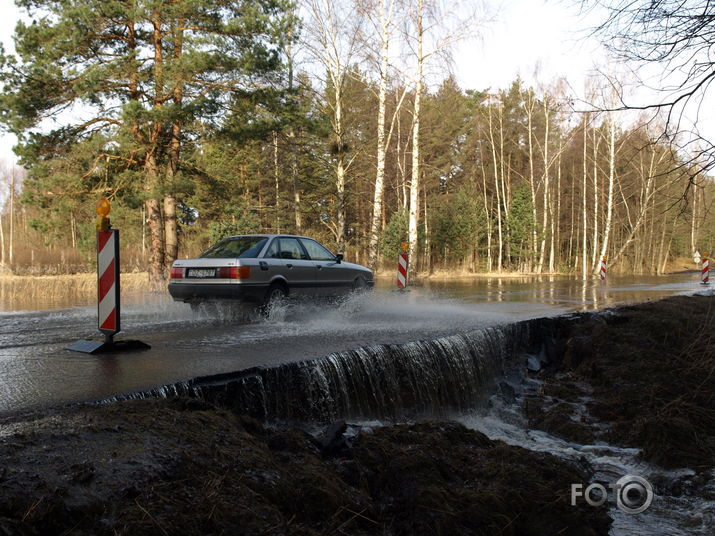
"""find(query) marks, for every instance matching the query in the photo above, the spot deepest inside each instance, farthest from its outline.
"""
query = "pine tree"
(144, 73)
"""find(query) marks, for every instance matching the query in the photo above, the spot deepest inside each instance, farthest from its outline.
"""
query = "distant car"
(260, 269)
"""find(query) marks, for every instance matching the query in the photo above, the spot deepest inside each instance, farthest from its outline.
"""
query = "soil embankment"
(645, 376)
(637, 376)
(185, 467)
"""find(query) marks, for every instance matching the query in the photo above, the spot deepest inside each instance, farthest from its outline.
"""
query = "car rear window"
(244, 247)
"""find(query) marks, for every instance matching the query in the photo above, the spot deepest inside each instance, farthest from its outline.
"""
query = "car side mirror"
(339, 258)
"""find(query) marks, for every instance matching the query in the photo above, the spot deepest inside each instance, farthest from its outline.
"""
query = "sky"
(538, 40)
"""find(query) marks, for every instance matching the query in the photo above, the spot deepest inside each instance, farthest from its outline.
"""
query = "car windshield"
(244, 247)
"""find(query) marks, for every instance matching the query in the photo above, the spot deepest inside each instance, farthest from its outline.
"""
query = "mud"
(182, 466)
(645, 376)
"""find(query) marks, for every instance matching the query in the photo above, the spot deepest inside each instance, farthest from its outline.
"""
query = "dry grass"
(23, 292)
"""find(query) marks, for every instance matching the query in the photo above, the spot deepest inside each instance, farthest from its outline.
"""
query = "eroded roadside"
(637, 376)
(644, 376)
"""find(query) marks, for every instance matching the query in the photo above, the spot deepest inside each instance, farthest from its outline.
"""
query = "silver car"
(262, 268)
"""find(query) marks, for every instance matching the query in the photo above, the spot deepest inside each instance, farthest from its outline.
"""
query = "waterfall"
(387, 382)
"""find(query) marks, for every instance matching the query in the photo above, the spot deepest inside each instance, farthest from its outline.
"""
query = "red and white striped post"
(705, 270)
(108, 303)
(402, 263)
(108, 306)
(602, 271)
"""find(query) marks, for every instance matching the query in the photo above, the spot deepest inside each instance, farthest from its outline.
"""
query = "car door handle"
(289, 265)
(263, 265)
(319, 266)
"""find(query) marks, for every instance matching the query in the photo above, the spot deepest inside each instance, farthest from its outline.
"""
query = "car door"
(298, 270)
(332, 278)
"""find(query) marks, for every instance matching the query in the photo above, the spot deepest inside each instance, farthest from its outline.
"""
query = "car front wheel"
(359, 285)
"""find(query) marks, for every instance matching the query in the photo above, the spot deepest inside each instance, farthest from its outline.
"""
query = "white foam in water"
(682, 515)
(383, 313)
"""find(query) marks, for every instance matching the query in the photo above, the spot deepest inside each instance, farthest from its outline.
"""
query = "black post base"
(107, 347)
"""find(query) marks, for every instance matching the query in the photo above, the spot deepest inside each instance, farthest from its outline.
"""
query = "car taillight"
(234, 272)
(177, 273)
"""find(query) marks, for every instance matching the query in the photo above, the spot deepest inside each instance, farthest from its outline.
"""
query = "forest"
(336, 120)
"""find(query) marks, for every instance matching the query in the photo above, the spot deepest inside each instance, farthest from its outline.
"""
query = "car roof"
(266, 235)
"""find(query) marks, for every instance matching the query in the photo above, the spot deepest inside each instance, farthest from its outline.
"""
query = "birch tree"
(432, 32)
(333, 29)
(384, 16)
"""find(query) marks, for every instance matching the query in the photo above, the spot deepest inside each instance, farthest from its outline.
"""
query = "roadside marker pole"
(402, 268)
(705, 270)
(602, 272)
(108, 297)
(108, 306)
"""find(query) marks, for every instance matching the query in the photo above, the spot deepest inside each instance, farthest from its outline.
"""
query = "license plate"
(201, 272)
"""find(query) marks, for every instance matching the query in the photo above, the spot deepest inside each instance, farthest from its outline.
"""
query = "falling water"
(390, 382)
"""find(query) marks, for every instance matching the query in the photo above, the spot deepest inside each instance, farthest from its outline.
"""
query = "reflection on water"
(574, 294)
(57, 292)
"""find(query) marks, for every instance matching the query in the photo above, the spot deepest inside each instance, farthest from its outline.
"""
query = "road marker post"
(602, 271)
(108, 295)
(402, 263)
(705, 270)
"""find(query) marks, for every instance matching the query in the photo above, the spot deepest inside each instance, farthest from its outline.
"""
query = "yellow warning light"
(103, 207)
(705, 255)
(404, 247)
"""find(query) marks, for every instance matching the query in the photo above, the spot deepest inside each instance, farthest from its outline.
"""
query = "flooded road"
(36, 370)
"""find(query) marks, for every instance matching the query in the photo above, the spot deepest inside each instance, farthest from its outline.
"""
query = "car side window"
(274, 252)
(290, 248)
(316, 251)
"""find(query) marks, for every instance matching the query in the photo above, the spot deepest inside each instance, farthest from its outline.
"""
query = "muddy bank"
(182, 466)
(638, 376)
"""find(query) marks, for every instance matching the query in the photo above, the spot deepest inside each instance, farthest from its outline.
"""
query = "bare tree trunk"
(296, 198)
(276, 176)
(573, 224)
(545, 214)
(156, 252)
(594, 246)
(73, 230)
(646, 193)
(2, 244)
(157, 257)
(498, 201)
(415, 182)
(611, 182)
(11, 252)
(503, 182)
(555, 217)
(584, 214)
(171, 251)
(532, 178)
(486, 210)
(340, 171)
(375, 228)
(694, 219)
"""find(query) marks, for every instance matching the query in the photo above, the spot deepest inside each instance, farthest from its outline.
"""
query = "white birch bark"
(415, 178)
(611, 182)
